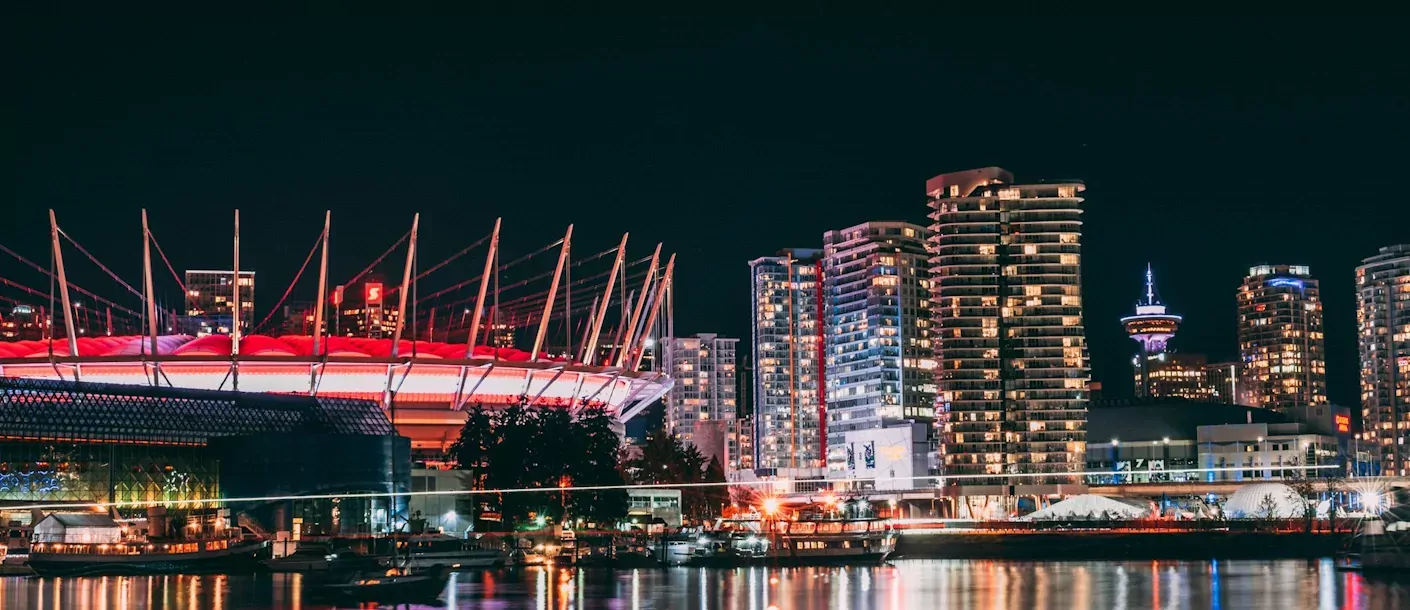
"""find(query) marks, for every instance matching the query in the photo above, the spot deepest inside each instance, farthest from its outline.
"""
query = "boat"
(185, 556)
(526, 554)
(453, 553)
(318, 557)
(395, 585)
(676, 549)
(1381, 545)
(1382, 540)
(798, 543)
(567, 548)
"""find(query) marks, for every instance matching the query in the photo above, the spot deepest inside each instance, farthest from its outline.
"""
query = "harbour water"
(903, 584)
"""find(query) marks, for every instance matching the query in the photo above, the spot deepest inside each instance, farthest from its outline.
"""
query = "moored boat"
(94, 543)
(453, 553)
(129, 558)
(1382, 542)
(802, 542)
(318, 557)
(676, 549)
(395, 585)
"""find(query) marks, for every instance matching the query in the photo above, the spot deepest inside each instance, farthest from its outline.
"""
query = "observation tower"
(1151, 327)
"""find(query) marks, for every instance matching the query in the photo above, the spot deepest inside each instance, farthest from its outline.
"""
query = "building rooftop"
(1160, 418)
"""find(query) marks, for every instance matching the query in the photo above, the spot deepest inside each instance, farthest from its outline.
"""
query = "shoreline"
(1090, 545)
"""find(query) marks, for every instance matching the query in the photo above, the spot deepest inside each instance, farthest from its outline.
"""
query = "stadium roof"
(256, 345)
(34, 409)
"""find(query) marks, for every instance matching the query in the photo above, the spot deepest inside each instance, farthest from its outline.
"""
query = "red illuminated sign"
(1343, 423)
(337, 296)
(372, 293)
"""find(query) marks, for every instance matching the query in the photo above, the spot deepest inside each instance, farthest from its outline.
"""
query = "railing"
(129, 548)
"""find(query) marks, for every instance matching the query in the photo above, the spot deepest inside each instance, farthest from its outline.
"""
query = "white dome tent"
(1093, 507)
(1265, 501)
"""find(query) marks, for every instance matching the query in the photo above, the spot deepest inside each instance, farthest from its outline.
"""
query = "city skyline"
(1214, 180)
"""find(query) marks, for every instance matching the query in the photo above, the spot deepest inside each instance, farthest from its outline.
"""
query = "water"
(1282, 585)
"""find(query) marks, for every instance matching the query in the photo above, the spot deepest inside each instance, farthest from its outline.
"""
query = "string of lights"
(588, 488)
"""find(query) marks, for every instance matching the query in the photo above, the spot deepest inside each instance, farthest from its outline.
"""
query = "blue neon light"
(1285, 281)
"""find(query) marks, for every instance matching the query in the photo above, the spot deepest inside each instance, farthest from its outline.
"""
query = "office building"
(703, 368)
(1223, 381)
(1175, 375)
(787, 345)
(879, 359)
(1152, 327)
(24, 323)
(1012, 371)
(210, 298)
(1383, 326)
(297, 318)
(369, 319)
(1280, 337)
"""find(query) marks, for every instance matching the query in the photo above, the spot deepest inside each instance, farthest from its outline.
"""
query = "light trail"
(585, 488)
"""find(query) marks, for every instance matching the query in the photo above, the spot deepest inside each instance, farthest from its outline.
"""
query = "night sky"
(1205, 148)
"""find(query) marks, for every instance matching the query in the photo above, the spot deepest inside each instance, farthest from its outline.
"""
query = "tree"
(714, 498)
(513, 462)
(471, 451)
(666, 460)
(594, 463)
(529, 448)
(1306, 493)
(1268, 507)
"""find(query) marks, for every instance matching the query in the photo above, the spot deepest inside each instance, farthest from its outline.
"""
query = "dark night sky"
(1205, 149)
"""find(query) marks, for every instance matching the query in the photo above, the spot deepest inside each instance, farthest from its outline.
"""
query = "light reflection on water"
(1284, 584)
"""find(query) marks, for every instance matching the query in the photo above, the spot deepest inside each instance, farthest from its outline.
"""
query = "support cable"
(443, 263)
(72, 285)
(100, 264)
(186, 293)
(379, 260)
(316, 243)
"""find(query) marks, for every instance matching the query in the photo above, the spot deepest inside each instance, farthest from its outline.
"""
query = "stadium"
(590, 335)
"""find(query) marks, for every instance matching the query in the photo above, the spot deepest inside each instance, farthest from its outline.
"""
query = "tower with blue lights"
(1151, 327)
(1280, 337)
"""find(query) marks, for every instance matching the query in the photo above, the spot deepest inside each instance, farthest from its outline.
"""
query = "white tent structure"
(1090, 506)
(1265, 501)
(77, 528)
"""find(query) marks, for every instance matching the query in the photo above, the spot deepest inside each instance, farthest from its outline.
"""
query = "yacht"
(676, 549)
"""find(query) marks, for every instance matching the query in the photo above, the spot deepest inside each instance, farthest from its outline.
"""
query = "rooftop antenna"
(1150, 285)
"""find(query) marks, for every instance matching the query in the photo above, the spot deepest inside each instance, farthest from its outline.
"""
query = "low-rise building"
(1242, 452)
(1173, 439)
(897, 457)
(644, 506)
